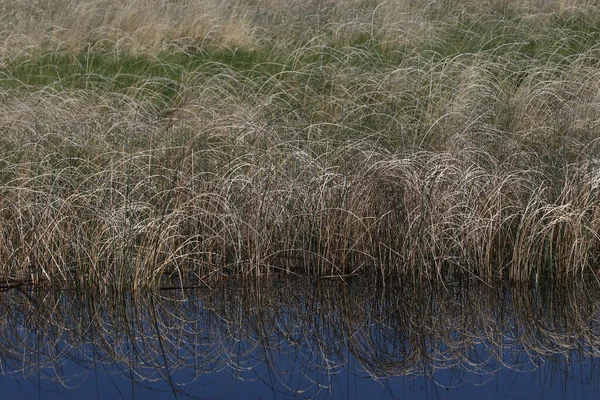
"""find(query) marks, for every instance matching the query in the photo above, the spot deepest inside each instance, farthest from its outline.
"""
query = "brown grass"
(334, 145)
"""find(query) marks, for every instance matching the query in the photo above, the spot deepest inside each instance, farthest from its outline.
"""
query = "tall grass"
(415, 139)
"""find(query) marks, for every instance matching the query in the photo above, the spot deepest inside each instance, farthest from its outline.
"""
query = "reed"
(414, 139)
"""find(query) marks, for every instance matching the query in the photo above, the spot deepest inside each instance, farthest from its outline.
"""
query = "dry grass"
(319, 139)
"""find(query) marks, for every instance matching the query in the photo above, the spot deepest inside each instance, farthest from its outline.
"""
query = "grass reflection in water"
(297, 338)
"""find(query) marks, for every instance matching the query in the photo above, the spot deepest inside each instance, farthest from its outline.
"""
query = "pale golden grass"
(134, 26)
(150, 26)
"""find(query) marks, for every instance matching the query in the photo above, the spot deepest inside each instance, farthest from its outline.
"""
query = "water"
(290, 338)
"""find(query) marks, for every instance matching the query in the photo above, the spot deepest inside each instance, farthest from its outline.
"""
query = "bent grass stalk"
(231, 142)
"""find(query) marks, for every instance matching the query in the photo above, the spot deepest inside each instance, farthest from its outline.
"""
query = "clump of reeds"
(331, 145)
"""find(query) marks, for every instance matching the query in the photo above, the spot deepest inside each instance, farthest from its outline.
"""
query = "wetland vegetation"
(416, 140)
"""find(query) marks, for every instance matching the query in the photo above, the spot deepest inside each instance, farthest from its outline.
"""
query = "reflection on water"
(290, 338)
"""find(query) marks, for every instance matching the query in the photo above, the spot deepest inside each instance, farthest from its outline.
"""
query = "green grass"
(425, 140)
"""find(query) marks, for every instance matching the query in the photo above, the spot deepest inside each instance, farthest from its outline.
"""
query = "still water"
(280, 338)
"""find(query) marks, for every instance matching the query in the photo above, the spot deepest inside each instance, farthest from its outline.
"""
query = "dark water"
(289, 338)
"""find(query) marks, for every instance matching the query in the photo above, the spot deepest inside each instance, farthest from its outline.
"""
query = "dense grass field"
(408, 139)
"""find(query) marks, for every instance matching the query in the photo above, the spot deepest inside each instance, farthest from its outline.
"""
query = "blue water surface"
(332, 343)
